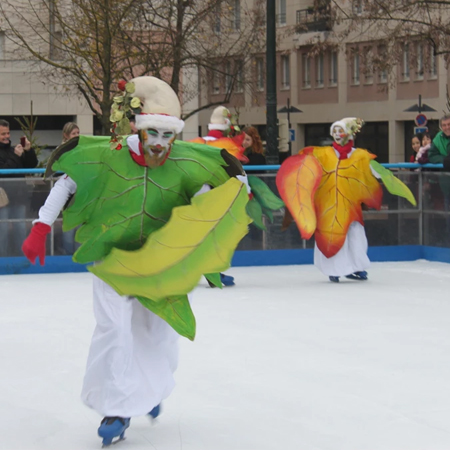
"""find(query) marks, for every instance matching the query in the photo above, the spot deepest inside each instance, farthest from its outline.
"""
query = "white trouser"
(132, 357)
(352, 257)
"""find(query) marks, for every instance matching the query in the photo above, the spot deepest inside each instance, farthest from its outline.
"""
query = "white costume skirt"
(352, 257)
(132, 357)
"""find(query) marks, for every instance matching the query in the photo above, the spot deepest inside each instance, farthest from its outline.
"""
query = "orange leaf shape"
(231, 145)
(297, 181)
(344, 185)
(198, 140)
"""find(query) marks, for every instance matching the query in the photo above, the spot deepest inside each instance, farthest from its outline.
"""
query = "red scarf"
(215, 134)
(343, 150)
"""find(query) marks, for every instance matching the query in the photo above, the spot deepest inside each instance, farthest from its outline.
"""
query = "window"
(382, 75)
(419, 61)
(357, 7)
(239, 76)
(228, 77)
(217, 26)
(368, 65)
(236, 15)
(333, 68)
(260, 74)
(405, 73)
(356, 68)
(2, 46)
(285, 72)
(216, 83)
(306, 71)
(319, 70)
(281, 12)
(433, 62)
(56, 51)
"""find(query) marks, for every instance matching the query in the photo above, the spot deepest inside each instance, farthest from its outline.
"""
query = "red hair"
(257, 146)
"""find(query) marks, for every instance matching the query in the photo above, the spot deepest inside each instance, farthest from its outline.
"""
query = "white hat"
(220, 119)
(351, 125)
(160, 105)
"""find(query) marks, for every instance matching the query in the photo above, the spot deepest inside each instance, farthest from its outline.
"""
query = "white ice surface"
(285, 360)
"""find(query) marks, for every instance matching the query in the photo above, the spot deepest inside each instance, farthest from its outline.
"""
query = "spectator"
(440, 149)
(254, 150)
(416, 143)
(18, 157)
(70, 130)
(422, 154)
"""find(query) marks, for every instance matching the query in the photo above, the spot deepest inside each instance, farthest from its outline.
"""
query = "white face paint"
(156, 143)
(339, 135)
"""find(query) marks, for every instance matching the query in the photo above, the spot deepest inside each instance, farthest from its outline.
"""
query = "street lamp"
(419, 107)
(289, 109)
(271, 86)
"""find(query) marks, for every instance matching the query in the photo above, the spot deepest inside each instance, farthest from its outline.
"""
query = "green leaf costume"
(139, 221)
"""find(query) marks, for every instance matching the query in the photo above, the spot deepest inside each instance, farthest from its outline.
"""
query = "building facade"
(340, 82)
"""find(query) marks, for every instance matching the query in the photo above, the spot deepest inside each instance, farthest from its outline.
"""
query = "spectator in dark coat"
(15, 197)
(18, 157)
(254, 150)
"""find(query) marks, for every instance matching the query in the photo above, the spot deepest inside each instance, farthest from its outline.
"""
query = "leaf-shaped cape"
(392, 183)
(265, 199)
(297, 181)
(199, 238)
(120, 203)
(232, 145)
(343, 186)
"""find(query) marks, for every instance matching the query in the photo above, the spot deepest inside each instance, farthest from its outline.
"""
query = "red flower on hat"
(119, 147)
(121, 85)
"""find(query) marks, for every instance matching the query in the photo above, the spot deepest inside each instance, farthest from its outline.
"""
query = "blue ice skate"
(112, 427)
(334, 279)
(226, 280)
(358, 276)
(154, 413)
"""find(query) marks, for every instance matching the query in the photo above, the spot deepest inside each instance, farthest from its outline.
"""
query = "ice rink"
(285, 360)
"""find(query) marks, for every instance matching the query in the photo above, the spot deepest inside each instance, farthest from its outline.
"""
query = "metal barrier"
(396, 224)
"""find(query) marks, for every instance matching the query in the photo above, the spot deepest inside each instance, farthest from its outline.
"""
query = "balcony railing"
(313, 19)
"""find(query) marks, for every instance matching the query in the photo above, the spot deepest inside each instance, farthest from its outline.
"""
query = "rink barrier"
(246, 168)
(62, 264)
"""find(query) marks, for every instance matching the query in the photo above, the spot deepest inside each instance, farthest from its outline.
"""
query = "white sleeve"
(375, 173)
(244, 179)
(204, 188)
(60, 193)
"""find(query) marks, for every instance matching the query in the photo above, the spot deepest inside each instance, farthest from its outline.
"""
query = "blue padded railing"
(246, 168)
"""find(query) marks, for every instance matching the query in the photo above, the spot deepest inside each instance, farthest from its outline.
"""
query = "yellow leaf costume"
(324, 194)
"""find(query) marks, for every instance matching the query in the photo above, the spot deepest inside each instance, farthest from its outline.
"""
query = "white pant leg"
(352, 257)
(132, 357)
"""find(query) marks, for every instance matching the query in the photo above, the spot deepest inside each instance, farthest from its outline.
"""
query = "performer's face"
(340, 136)
(156, 143)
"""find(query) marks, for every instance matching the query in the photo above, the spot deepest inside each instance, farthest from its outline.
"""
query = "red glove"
(34, 244)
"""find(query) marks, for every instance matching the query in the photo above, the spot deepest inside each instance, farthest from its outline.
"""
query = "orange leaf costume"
(324, 194)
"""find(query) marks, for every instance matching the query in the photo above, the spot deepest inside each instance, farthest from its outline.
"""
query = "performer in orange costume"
(324, 188)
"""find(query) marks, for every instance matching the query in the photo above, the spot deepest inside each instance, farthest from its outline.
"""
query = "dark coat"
(9, 160)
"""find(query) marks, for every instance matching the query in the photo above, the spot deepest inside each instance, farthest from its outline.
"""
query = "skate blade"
(120, 439)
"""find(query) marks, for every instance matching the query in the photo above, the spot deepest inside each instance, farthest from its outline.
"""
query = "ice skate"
(358, 276)
(154, 413)
(112, 427)
(334, 279)
(227, 280)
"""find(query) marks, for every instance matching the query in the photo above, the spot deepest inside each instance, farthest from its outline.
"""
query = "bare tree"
(85, 47)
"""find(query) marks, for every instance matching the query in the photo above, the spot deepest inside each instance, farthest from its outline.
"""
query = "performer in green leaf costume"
(156, 214)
